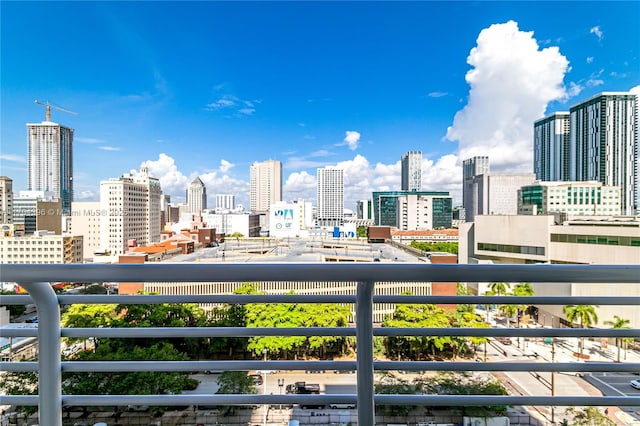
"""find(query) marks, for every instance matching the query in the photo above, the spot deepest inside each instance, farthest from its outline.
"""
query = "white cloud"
(597, 31)
(109, 148)
(225, 166)
(231, 103)
(635, 90)
(437, 94)
(13, 157)
(511, 83)
(300, 185)
(84, 195)
(351, 138)
(172, 180)
(589, 59)
(88, 140)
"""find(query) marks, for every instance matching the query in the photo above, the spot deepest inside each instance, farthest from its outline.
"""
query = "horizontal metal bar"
(161, 332)
(417, 366)
(327, 298)
(418, 400)
(334, 272)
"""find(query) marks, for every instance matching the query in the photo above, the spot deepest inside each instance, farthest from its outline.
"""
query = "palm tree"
(500, 288)
(585, 315)
(522, 289)
(617, 324)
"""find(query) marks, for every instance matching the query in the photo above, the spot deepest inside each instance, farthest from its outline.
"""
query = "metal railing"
(50, 400)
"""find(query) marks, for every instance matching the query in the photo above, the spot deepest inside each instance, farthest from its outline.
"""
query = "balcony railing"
(50, 400)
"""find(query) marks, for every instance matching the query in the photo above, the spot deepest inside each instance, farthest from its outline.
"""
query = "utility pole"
(553, 377)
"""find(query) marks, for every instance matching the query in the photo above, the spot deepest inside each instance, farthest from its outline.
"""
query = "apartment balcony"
(50, 400)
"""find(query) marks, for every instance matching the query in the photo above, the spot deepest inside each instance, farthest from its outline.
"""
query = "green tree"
(442, 246)
(393, 385)
(589, 416)
(234, 383)
(422, 316)
(618, 323)
(500, 288)
(584, 315)
(361, 231)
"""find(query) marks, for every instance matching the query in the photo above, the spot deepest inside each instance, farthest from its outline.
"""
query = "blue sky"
(207, 88)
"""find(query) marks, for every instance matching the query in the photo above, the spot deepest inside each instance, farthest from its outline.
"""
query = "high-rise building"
(265, 185)
(130, 212)
(225, 202)
(472, 187)
(330, 197)
(6, 200)
(604, 144)
(412, 171)
(197, 196)
(551, 147)
(50, 160)
(485, 193)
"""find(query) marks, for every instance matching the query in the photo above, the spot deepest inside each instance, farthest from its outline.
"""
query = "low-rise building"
(41, 247)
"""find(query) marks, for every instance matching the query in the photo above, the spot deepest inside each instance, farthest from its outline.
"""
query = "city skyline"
(353, 85)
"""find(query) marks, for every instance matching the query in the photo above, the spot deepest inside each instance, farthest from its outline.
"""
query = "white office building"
(85, 221)
(265, 185)
(551, 147)
(197, 196)
(420, 212)
(225, 202)
(330, 197)
(130, 212)
(485, 193)
(525, 239)
(411, 175)
(604, 144)
(572, 198)
(41, 247)
(50, 160)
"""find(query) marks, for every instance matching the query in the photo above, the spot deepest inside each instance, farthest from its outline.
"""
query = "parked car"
(504, 340)
(635, 384)
(257, 378)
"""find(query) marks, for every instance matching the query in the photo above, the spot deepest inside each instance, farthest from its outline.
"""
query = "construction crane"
(49, 106)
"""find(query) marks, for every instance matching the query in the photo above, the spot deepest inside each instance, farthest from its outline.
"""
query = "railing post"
(49, 364)
(364, 360)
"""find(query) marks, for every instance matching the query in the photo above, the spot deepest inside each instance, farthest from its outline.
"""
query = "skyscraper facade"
(551, 147)
(330, 197)
(130, 212)
(6, 200)
(473, 186)
(50, 160)
(197, 196)
(225, 201)
(265, 185)
(604, 144)
(411, 171)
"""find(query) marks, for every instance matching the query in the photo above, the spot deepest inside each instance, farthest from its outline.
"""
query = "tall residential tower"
(330, 197)
(604, 144)
(411, 171)
(50, 158)
(197, 196)
(265, 185)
